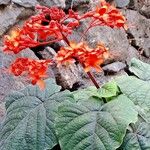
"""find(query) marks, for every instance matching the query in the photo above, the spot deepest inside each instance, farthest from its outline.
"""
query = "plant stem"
(93, 79)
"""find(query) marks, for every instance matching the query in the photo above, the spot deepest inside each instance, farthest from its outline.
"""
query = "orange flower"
(35, 69)
(35, 33)
(106, 15)
(19, 40)
(93, 58)
(88, 57)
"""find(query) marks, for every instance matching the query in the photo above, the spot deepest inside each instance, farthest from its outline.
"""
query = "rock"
(145, 10)
(66, 76)
(76, 3)
(142, 6)
(26, 3)
(27, 53)
(147, 52)
(49, 3)
(114, 67)
(140, 31)
(4, 2)
(133, 53)
(122, 3)
(9, 17)
(26, 13)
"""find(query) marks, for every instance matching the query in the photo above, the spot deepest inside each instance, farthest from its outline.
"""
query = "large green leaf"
(138, 139)
(140, 69)
(29, 124)
(80, 128)
(138, 91)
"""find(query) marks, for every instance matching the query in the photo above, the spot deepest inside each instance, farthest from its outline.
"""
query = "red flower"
(35, 69)
(106, 15)
(35, 33)
(19, 40)
(88, 57)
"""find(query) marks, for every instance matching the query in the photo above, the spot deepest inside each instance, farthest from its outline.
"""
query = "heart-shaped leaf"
(79, 127)
(29, 124)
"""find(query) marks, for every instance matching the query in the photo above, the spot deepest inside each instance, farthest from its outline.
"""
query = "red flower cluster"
(88, 57)
(52, 25)
(34, 32)
(35, 69)
(106, 15)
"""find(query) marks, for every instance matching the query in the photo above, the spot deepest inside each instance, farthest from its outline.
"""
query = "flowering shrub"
(50, 26)
(113, 117)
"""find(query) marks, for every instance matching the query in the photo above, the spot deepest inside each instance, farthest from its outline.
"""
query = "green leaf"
(79, 127)
(140, 69)
(138, 91)
(108, 90)
(139, 139)
(29, 124)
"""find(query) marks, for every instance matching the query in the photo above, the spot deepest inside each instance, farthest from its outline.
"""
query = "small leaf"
(140, 69)
(29, 124)
(108, 90)
(79, 127)
(139, 139)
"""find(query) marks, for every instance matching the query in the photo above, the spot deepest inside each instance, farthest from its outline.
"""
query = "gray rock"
(114, 67)
(140, 31)
(26, 3)
(4, 2)
(122, 3)
(9, 17)
(143, 6)
(133, 53)
(66, 76)
(49, 3)
(76, 3)
(26, 13)
(147, 52)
